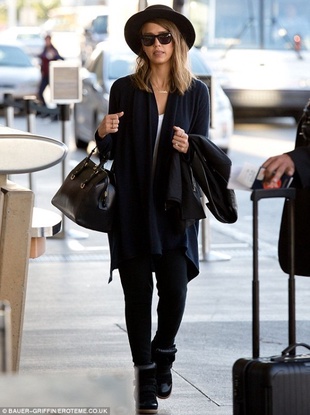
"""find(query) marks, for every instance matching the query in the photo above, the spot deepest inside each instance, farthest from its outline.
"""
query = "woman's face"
(157, 53)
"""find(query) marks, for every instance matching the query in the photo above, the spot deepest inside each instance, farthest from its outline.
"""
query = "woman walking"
(151, 115)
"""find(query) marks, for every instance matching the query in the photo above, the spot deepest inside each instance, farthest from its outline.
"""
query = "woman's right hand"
(109, 124)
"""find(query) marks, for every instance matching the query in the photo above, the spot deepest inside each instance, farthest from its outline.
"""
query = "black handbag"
(87, 196)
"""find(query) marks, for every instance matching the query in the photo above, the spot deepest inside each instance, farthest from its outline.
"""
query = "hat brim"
(135, 22)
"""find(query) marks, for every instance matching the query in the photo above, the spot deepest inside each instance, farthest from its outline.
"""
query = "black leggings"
(137, 283)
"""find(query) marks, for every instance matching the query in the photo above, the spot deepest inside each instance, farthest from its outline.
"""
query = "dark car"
(109, 62)
(95, 32)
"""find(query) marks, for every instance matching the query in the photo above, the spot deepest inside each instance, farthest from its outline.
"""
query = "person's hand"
(109, 124)
(275, 168)
(180, 140)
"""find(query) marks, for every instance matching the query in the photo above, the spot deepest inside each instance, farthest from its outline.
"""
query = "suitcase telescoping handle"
(289, 195)
(286, 355)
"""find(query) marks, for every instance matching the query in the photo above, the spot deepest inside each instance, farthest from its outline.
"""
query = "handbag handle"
(97, 167)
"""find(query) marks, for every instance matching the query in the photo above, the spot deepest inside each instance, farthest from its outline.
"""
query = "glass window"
(11, 56)
(120, 65)
(269, 24)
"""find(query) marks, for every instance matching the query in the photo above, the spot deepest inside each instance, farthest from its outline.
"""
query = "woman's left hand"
(180, 140)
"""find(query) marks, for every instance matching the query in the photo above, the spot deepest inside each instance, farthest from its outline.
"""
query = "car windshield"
(12, 56)
(24, 37)
(100, 25)
(120, 65)
(197, 63)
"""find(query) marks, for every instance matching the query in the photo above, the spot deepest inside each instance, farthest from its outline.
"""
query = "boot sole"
(163, 397)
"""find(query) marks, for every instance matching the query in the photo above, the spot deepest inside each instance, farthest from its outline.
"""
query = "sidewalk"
(74, 329)
(74, 322)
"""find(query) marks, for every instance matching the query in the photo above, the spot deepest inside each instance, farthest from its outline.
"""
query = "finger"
(178, 131)
(271, 168)
(180, 147)
(115, 119)
(268, 162)
(277, 174)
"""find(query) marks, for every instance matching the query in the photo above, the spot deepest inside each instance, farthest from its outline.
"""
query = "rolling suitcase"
(277, 385)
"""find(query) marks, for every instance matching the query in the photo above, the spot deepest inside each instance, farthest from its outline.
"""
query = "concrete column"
(16, 205)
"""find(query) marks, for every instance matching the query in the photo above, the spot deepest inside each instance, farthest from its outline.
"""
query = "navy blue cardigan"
(143, 225)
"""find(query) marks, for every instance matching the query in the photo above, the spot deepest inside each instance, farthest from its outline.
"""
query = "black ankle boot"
(164, 359)
(145, 392)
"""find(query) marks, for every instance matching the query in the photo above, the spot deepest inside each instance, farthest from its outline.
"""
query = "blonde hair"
(181, 76)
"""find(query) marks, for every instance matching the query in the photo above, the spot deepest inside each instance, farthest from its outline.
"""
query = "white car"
(30, 38)
(19, 76)
(108, 63)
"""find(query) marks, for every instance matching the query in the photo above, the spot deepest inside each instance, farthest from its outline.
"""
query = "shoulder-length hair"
(181, 76)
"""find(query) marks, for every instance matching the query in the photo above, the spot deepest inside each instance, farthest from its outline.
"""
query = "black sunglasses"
(163, 38)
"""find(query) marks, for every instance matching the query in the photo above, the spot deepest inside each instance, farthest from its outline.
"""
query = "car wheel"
(297, 115)
(80, 144)
(79, 141)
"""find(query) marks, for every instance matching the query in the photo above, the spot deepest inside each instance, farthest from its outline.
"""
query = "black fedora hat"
(158, 11)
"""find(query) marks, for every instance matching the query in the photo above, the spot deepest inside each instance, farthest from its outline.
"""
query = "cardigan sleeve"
(105, 145)
(201, 119)
(301, 159)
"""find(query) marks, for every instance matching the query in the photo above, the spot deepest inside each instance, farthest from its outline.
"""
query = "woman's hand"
(180, 140)
(109, 124)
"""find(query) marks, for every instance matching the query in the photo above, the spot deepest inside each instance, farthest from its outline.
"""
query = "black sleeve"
(301, 159)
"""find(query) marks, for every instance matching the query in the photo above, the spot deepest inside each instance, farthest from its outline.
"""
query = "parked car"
(19, 76)
(107, 63)
(30, 38)
(95, 32)
(264, 83)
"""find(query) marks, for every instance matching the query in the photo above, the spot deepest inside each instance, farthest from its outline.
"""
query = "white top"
(155, 152)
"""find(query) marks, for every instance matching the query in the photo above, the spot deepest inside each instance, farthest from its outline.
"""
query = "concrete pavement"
(74, 320)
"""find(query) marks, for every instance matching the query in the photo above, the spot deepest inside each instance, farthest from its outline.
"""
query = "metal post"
(30, 115)
(30, 112)
(207, 253)
(9, 110)
(65, 130)
(262, 24)
(64, 114)
(205, 235)
(142, 5)
(178, 5)
(255, 285)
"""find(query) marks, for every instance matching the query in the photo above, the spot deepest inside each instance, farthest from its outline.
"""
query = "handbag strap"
(97, 167)
(96, 170)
